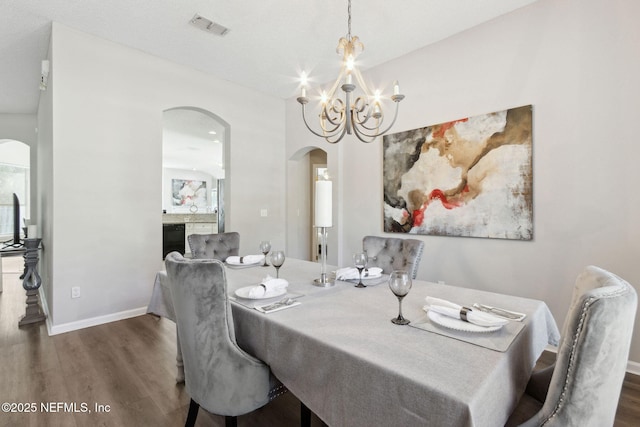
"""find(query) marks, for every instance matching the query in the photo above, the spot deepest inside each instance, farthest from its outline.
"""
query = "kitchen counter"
(188, 218)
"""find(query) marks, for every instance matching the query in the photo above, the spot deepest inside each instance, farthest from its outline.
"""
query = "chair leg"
(230, 421)
(193, 413)
(305, 415)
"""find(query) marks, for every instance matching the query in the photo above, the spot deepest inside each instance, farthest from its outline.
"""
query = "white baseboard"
(45, 308)
(95, 321)
(86, 323)
(632, 367)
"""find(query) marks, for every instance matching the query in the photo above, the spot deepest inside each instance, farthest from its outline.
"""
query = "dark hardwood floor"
(127, 368)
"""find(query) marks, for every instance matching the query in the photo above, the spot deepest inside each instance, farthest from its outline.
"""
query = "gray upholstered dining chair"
(219, 375)
(214, 246)
(392, 254)
(583, 387)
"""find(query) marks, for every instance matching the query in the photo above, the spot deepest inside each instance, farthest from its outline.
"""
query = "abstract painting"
(189, 192)
(470, 177)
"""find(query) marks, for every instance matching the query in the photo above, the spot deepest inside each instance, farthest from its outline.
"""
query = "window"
(13, 179)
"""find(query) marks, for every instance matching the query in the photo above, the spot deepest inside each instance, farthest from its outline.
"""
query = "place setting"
(271, 294)
(360, 274)
(255, 260)
(244, 261)
(478, 324)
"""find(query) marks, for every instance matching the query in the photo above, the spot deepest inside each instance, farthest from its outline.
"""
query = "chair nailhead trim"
(572, 355)
(278, 391)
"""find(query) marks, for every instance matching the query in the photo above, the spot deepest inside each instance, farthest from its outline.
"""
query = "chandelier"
(362, 116)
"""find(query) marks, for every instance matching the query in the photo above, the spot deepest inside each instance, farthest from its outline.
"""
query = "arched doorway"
(15, 177)
(195, 170)
(303, 169)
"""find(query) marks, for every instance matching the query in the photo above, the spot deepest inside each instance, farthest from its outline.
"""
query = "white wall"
(44, 191)
(21, 127)
(104, 215)
(577, 62)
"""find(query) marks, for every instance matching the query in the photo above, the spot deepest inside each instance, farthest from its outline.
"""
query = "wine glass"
(265, 247)
(360, 261)
(400, 284)
(277, 259)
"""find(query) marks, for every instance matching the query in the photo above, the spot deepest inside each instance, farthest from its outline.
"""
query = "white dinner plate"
(459, 324)
(239, 266)
(244, 264)
(244, 293)
(364, 278)
(371, 276)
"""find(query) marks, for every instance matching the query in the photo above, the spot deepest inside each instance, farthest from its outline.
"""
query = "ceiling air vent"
(208, 25)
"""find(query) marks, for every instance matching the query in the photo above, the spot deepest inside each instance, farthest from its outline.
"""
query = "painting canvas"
(469, 177)
(189, 192)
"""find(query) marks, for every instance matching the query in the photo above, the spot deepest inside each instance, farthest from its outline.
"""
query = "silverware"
(499, 312)
(278, 304)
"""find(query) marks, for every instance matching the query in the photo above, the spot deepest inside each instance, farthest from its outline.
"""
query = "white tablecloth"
(340, 354)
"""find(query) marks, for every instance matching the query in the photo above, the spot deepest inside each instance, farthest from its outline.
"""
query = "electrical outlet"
(75, 292)
(263, 212)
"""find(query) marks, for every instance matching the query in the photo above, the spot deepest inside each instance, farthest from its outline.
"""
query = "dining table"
(337, 350)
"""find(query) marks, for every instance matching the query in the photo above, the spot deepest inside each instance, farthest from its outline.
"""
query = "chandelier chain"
(349, 21)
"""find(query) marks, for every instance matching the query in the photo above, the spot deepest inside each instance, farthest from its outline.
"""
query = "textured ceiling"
(269, 43)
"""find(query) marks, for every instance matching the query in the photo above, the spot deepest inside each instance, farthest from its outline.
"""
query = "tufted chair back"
(214, 246)
(219, 375)
(393, 254)
(584, 386)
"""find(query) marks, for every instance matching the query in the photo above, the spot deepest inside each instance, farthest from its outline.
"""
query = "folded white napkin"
(269, 286)
(247, 259)
(451, 309)
(350, 273)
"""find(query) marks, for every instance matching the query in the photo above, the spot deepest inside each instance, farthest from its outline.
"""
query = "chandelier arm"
(363, 136)
(395, 116)
(333, 89)
(344, 130)
(372, 129)
(333, 130)
(379, 122)
(337, 121)
(363, 85)
(304, 118)
(367, 116)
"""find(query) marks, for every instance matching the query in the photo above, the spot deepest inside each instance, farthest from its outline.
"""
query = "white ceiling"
(269, 43)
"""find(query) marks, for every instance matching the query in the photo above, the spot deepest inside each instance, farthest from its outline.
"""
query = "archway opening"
(194, 174)
(303, 169)
(15, 178)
